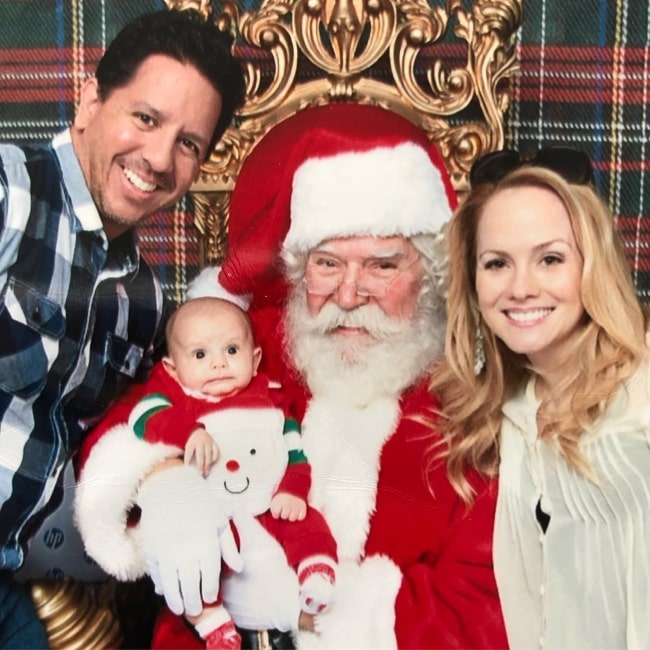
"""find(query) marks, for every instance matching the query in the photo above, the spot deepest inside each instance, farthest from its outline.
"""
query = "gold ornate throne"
(444, 65)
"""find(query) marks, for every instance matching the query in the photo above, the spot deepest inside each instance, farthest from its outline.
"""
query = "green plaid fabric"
(582, 81)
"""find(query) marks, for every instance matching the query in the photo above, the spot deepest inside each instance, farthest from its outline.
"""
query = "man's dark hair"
(183, 35)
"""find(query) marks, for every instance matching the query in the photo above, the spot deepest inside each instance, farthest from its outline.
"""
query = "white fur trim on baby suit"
(108, 484)
(363, 613)
(400, 192)
(206, 285)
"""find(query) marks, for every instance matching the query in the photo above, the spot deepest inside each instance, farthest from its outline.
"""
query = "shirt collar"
(521, 409)
(123, 251)
(81, 201)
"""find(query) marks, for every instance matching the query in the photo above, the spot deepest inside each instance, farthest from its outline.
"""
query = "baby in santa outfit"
(211, 365)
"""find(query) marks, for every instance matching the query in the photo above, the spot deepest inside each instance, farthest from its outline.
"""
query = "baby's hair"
(205, 304)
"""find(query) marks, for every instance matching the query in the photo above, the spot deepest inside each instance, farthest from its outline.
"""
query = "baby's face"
(214, 355)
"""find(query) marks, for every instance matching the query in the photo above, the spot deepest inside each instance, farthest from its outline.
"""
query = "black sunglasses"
(573, 165)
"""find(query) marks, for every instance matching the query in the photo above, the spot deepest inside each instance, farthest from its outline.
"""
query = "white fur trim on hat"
(206, 285)
(383, 192)
(105, 493)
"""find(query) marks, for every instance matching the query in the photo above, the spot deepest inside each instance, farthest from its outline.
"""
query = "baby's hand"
(287, 506)
(203, 449)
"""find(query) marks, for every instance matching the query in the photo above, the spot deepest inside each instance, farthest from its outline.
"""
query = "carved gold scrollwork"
(203, 6)
(351, 43)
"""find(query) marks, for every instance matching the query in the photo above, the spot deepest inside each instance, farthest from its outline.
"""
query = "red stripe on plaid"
(581, 74)
(43, 57)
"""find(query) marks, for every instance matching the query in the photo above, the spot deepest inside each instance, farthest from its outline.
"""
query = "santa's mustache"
(368, 317)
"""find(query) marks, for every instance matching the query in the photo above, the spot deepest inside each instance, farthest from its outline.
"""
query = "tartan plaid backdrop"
(582, 81)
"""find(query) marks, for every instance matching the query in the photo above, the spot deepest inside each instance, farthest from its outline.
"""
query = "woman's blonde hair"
(607, 351)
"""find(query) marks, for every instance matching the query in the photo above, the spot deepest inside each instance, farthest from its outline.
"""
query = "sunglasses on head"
(572, 165)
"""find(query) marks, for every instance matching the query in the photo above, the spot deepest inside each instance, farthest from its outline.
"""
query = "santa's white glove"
(265, 594)
(183, 532)
(316, 577)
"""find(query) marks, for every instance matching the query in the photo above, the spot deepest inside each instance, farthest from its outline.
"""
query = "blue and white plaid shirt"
(79, 318)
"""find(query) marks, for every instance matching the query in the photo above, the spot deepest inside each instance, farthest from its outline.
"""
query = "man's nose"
(159, 152)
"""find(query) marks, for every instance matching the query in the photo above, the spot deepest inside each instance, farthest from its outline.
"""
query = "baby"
(211, 365)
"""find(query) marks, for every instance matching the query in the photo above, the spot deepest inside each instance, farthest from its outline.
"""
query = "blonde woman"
(546, 383)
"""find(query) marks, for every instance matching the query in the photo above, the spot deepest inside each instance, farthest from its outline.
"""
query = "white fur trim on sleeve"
(363, 613)
(206, 285)
(105, 493)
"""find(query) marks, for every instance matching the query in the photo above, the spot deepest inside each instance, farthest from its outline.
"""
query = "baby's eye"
(232, 350)
(199, 354)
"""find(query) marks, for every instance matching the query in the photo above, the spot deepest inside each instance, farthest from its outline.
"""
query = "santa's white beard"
(360, 369)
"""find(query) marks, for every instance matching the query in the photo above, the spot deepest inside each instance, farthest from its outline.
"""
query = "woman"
(547, 382)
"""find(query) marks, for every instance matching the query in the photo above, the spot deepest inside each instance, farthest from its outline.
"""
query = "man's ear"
(88, 102)
(257, 357)
(170, 367)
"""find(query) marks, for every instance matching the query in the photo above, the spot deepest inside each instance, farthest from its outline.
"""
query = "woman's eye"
(494, 264)
(551, 259)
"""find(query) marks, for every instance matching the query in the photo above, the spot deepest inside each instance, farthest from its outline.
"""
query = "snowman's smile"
(233, 489)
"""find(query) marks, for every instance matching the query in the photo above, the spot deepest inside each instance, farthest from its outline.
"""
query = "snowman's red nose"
(232, 465)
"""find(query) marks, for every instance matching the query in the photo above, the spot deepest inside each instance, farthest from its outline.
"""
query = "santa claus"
(335, 247)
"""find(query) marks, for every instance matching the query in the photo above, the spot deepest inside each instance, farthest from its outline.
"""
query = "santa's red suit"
(415, 563)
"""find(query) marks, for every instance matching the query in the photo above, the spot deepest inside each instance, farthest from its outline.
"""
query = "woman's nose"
(523, 284)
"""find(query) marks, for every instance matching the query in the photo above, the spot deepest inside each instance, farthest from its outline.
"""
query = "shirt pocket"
(122, 355)
(29, 321)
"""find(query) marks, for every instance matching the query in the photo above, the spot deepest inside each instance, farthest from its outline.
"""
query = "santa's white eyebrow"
(389, 254)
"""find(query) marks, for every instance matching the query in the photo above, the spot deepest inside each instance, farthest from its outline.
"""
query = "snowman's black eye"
(253, 452)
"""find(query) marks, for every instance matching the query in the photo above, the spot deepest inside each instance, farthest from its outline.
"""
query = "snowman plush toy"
(269, 560)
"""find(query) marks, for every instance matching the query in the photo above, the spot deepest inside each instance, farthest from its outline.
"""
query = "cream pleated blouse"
(585, 583)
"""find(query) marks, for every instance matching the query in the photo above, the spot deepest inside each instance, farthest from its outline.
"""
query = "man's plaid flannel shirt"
(79, 318)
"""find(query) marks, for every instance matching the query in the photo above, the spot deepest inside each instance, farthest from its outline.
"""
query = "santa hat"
(331, 171)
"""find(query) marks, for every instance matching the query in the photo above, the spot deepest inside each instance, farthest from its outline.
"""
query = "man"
(353, 198)
(82, 314)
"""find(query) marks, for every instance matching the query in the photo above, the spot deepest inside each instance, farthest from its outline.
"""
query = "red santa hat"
(330, 171)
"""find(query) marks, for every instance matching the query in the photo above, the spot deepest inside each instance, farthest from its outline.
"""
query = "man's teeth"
(526, 316)
(138, 182)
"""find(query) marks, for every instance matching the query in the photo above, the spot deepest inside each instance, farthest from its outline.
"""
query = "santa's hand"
(180, 530)
(316, 579)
